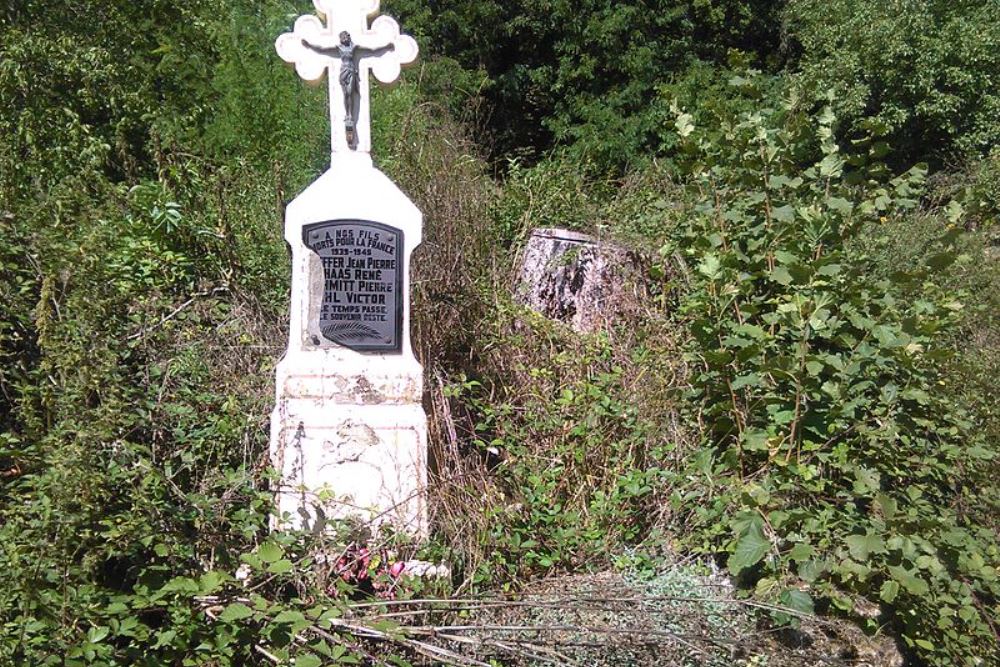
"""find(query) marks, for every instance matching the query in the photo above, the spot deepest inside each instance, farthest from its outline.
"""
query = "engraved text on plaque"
(362, 280)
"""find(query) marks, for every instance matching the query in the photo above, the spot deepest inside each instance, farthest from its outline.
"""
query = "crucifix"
(350, 48)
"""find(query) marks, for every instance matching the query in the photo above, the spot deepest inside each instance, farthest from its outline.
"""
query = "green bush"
(575, 459)
(834, 468)
(142, 287)
(553, 193)
(896, 245)
(138, 281)
(982, 196)
(925, 73)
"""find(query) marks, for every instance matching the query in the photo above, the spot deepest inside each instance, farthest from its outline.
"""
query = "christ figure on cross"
(350, 55)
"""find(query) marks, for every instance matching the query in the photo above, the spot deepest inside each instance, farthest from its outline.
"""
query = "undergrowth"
(804, 393)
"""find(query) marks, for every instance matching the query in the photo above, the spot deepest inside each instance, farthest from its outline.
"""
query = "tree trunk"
(579, 280)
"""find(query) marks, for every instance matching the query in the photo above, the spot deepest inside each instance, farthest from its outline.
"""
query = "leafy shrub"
(982, 197)
(553, 193)
(834, 467)
(925, 72)
(136, 281)
(576, 460)
(924, 239)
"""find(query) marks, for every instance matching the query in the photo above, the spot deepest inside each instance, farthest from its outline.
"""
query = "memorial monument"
(348, 432)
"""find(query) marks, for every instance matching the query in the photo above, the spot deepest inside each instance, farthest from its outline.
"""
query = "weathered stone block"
(578, 279)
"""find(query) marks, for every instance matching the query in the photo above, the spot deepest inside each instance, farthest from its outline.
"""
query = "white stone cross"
(379, 49)
(348, 430)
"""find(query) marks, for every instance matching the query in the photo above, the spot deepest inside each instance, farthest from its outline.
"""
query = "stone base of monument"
(353, 446)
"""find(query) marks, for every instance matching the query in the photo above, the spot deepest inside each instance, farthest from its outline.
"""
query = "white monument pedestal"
(348, 432)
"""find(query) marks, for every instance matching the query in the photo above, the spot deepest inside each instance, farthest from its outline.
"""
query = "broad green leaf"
(831, 166)
(97, 633)
(848, 568)
(180, 585)
(759, 496)
(290, 616)
(954, 211)
(749, 380)
(802, 551)
(783, 417)
(840, 205)
(911, 582)
(777, 518)
(270, 552)
(755, 441)
(917, 395)
(308, 661)
(862, 546)
(165, 638)
(866, 481)
(764, 588)
(710, 267)
(785, 257)
(781, 276)
(718, 357)
(282, 566)
(887, 505)
(684, 124)
(890, 589)
(819, 319)
(210, 581)
(235, 612)
(750, 548)
(780, 181)
(751, 330)
(783, 213)
(798, 600)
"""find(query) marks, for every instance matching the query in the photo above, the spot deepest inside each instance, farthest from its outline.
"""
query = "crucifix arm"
(331, 51)
(359, 52)
(366, 53)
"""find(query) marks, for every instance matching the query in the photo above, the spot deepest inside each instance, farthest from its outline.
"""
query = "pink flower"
(397, 568)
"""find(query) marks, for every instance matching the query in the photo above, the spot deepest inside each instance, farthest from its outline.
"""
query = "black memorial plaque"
(362, 306)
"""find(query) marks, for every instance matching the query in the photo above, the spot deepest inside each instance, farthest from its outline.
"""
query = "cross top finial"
(350, 49)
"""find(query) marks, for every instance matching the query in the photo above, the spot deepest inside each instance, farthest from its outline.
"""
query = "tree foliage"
(591, 75)
(924, 74)
(584, 73)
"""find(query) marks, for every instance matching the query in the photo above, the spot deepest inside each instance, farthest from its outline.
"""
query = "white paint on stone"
(348, 432)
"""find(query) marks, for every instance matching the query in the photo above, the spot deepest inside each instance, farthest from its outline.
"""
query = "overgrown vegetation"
(831, 451)
(806, 397)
